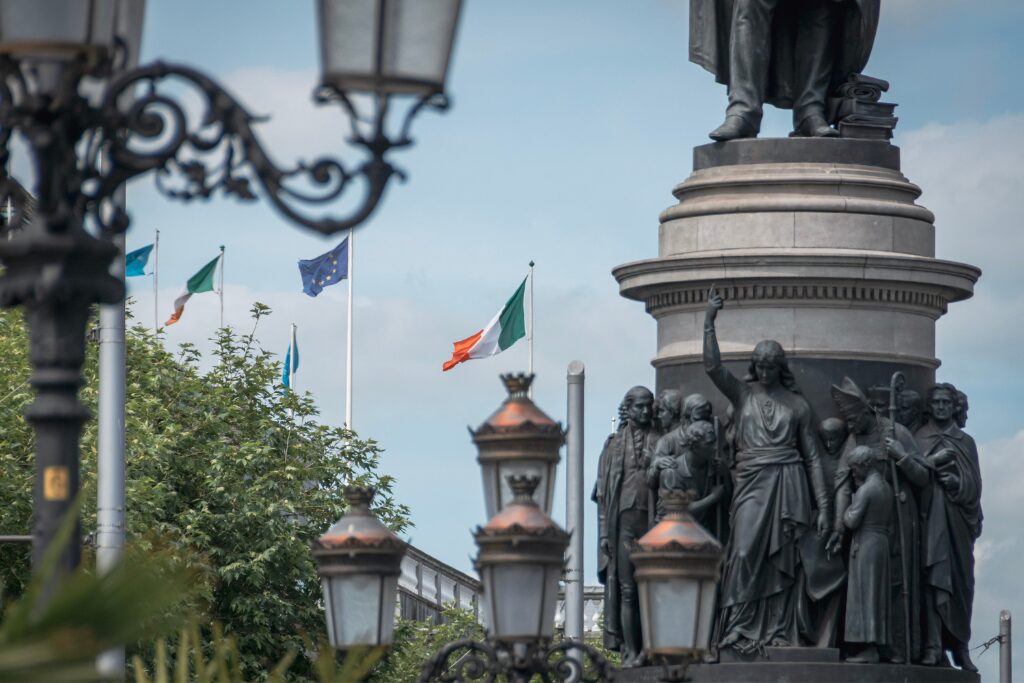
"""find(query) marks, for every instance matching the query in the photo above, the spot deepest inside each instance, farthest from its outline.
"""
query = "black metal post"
(56, 270)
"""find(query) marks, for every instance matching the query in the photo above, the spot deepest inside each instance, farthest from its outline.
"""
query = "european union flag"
(135, 262)
(324, 270)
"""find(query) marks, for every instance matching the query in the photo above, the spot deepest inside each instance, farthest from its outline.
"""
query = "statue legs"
(750, 52)
(813, 70)
(632, 525)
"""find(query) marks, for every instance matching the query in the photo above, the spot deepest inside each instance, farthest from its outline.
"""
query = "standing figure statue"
(953, 523)
(908, 476)
(960, 409)
(868, 598)
(776, 453)
(668, 409)
(910, 410)
(790, 53)
(696, 408)
(623, 508)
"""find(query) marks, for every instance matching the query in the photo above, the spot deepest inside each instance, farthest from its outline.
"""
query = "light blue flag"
(291, 360)
(135, 262)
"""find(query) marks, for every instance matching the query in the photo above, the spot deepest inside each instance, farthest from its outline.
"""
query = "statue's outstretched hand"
(715, 304)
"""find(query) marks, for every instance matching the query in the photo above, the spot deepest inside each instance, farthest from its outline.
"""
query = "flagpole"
(222, 285)
(156, 282)
(348, 349)
(530, 339)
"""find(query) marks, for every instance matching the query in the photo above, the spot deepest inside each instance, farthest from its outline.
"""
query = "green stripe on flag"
(513, 319)
(203, 280)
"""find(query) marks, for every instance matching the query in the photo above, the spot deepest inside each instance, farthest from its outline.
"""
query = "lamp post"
(91, 123)
(521, 559)
(676, 568)
(518, 439)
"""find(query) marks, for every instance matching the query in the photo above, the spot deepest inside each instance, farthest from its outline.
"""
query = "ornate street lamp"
(92, 121)
(359, 561)
(676, 568)
(518, 440)
(522, 552)
(520, 561)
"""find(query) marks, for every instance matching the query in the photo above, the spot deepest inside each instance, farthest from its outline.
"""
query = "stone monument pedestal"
(802, 665)
(804, 672)
(814, 242)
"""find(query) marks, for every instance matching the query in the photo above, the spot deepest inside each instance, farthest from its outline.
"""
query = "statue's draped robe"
(824, 575)
(953, 523)
(777, 453)
(607, 491)
(711, 25)
(869, 601)
(912, 478)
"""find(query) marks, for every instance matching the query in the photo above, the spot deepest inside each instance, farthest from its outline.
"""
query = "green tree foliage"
(416, 642)
(225, 470)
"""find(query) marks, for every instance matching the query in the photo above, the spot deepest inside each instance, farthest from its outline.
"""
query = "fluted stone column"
(817, 243)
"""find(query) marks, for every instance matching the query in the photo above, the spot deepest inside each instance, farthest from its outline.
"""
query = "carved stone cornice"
(840, 295)
(799, 277)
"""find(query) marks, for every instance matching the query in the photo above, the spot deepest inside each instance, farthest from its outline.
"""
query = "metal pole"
(156, 282)
(574, 502)
(348, 336)
(530, 338)
(110, 502)
(1005, 647)
(222, 285)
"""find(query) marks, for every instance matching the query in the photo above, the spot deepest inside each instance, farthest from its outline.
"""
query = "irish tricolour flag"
(200, 282)
(507, 327)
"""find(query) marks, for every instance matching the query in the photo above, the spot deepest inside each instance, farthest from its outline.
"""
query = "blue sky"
(571, 123)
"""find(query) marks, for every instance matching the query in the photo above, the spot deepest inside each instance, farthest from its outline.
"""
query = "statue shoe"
(931, 657)
(815, 126)
(962, 658)
(734, 128)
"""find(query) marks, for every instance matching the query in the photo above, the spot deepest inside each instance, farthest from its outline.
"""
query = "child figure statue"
(868, 587)
(684, 461)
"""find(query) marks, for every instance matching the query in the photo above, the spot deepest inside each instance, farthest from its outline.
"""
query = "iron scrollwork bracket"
(567, 661)
(203, 143)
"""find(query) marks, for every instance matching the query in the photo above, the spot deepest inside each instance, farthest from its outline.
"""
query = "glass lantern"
(518, 440)
(44, 36)
(522, 554)
(359, 561)
(387, 46)
(677, 570)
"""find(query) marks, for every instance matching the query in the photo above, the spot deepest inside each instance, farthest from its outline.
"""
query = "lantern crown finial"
(359, 498)
(677, 502)
(523, 487)
(517, 384)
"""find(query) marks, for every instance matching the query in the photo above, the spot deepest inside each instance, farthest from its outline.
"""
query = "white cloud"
(998, 553)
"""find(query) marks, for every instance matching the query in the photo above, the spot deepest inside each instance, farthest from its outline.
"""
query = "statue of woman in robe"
(777, 452)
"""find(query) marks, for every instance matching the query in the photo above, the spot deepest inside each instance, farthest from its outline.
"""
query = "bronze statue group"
(855, 532)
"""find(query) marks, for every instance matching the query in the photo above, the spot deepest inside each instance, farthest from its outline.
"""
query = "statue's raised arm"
(726, 382)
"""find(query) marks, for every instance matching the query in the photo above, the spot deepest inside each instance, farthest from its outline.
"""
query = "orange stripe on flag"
(175, 316)
(461, 352)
